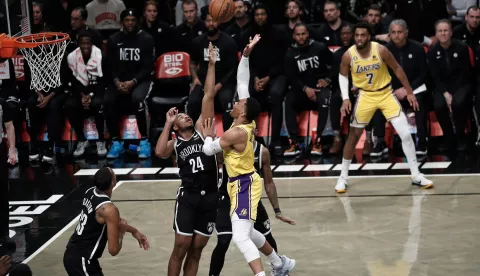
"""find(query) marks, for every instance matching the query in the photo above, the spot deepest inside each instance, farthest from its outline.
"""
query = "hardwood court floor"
(382, 226)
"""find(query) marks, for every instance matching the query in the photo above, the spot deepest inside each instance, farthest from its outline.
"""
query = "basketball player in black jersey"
(196, 204)
(262, 224)
(99, 222)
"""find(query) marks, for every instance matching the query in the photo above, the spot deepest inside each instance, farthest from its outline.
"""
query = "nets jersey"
(197, 170)
(371, 73)
(90, 237)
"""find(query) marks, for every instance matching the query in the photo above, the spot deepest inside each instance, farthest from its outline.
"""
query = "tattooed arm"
(116, 227)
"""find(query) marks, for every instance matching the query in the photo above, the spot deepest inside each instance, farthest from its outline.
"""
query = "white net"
(45, 61)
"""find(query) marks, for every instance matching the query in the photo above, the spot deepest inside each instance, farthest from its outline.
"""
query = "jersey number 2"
(370, 77)
(81, 223)
(196, 166)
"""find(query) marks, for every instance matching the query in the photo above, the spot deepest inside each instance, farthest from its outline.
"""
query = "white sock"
(401, 126)
(274, 259)
(345, 167)
(260, 274)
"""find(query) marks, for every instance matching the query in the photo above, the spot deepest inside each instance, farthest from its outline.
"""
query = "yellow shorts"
(368, 102)
(245, 192)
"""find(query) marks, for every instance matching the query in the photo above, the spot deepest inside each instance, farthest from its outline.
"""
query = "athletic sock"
(275, 260)
(345, 167)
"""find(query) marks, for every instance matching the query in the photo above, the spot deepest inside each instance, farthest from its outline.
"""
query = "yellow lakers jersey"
(239, 163)
(371, 73)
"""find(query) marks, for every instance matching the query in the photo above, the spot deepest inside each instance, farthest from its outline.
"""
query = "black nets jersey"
(197, 170)
(90, 237)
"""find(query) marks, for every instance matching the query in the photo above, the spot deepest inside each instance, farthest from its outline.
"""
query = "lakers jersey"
(240, 163)
(371, 73)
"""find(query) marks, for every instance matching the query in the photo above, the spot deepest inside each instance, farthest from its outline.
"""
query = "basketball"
(221, 10)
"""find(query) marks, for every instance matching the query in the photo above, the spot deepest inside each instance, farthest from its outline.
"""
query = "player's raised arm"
(243, 72)
(390, 60)
(208, 110)
(109, 214)
(164, 147)
(343, 83)
(270, 187)
(232, 137)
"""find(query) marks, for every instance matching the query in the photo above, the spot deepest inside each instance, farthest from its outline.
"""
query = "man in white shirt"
(105, 14)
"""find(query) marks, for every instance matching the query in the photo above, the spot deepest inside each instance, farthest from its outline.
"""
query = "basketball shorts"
(368, 102)
(76, 265)
(245, 192)
(223, 224)
(195, 212)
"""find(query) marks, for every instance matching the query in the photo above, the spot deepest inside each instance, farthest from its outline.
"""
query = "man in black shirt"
(330, 32)
(373, 18)
(241, 23)
(225, 68)
(307, 66)
(130, 57)
(294, 13)
(451, 68)
(78, 18)
(99, 222)
(411, 56)
(469, 32)
(192, 27)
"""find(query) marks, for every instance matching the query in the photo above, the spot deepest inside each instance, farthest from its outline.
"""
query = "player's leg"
(295, 102)
(112, 119)
(55, 122)
(379, 131)
(392, 110)
(223, 227)
(335, 118)
(362, 113)
(183, 227)
(139, 100)
(97, 109)
(262, 225)
(461, 107)
(276, 91)
(199, 241)
(76, 265)
(443, 116)
(34, 116)
(322, 107)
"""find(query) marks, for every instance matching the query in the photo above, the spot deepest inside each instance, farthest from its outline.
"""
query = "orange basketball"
(221, 10)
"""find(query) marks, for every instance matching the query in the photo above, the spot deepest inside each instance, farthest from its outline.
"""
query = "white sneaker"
(341, 186)
(101, 148)
(287, 266)
(81, 146)
(420, 180)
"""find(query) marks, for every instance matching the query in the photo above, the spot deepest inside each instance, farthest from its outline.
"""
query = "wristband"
(277, 211)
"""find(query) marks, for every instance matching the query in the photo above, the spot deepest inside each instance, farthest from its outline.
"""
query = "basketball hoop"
(43, 53)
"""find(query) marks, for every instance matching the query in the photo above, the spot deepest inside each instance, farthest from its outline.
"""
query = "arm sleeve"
(211, 147)
(243, 78)
(146, 59)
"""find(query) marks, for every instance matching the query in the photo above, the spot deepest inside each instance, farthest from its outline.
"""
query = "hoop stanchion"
(43, 52)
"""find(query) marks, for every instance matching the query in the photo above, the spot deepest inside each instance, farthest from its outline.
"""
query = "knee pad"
(241, 238)
(257, 238)
(401, 126)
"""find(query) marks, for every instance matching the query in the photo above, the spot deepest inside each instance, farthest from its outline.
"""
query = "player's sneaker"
(421, 148)
(81, 146)
(316, 148)
(341, 186)
(101, 149)
(116, 149)
(292, 150)
(420, 180)
(287, 266)
(379, 149)
(145, 149)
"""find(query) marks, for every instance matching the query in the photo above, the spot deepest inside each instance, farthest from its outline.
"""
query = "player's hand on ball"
(172, 115)
(284, 219)
(346, 107)
(208, 128)
(413, 102)
(142, 240)
(248, 49)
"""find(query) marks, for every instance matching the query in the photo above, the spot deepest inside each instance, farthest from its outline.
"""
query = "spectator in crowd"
(330, 32)
(469, 32)
(39, 24)
(308, 67)
(346, 34)
(457, 9)
(241, 23)
(78, 23)
(432, 12)
(105, 14)
(225, 71)
(130, 54)
(181, 16)
(57, 13)
(87, 90)
(192, 27)
(165, 37)
(451, 69)
(276, 9)
(374, 16)
(266, 67)
(294, 12)
(411, 56)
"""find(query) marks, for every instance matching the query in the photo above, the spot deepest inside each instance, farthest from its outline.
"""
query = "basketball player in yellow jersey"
(367, 62)
(244, 184)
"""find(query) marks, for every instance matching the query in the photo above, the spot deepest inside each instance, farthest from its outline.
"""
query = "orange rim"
(34, 40)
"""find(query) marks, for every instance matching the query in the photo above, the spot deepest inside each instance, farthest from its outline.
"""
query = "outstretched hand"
(284, 219)
(212, 54)
(208, 128)
(248, 49)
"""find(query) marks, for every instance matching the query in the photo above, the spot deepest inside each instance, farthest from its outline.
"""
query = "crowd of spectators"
(114, 44)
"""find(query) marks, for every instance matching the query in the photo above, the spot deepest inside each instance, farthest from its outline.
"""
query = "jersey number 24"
(196, 165)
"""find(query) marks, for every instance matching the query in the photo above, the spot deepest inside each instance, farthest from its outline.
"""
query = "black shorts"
(76, 265)
(223, 224)
(195, 212)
